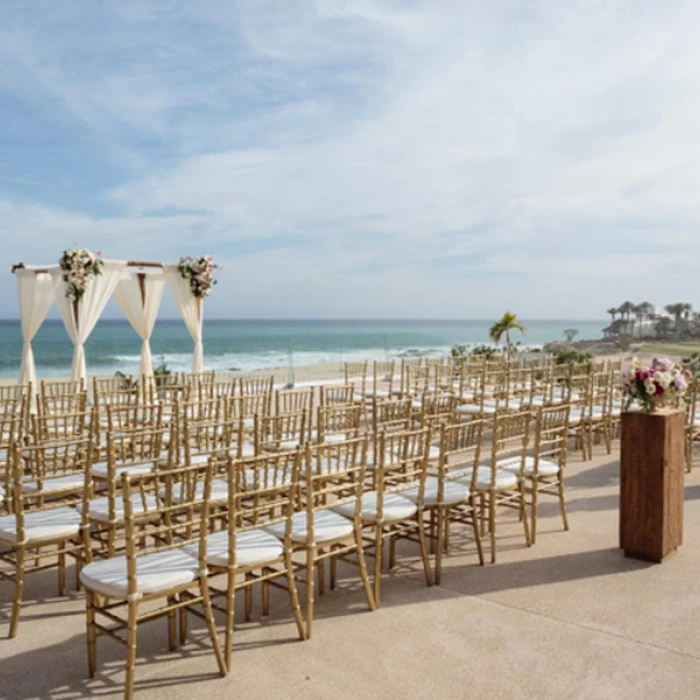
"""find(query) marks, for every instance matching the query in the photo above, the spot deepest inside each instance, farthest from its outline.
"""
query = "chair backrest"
(62, 397)
(337, 395)
(46, 427)
(175, 514)
(356, 373)
(204, 429)
(281, 432)
(436, 408)
(294, 400)
(338, 419)
(334, 475)
(509, 441)
(134, 416)
(383, 373)
(402, 464)
(34, 468)
(248, 406)
(256, 385)
(391, 415)
(551, 435)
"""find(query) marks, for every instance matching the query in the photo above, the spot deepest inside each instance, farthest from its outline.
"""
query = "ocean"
(256, 345)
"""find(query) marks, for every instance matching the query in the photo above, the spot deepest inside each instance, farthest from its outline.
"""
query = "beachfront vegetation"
(642, 321)
(507, 323)
(564, 356)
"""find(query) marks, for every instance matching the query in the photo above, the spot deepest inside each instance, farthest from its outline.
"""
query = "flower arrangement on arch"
(659, 383)
(199, 272)
(79, 266)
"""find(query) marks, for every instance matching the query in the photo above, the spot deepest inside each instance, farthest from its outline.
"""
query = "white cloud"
(383, 158)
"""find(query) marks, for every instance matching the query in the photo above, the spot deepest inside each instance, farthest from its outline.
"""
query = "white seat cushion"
(154, 572)
(454, 491)
(471, 408)
(99, 507)
(69, 482)
(41, 525)
(328, 526)
(504, 479)
(248, 422)
(283, 445)
(99, 469)
(544, 468)
(253, 548)
(395, 507)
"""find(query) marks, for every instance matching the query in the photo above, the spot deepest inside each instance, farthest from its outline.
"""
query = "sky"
(359, 159)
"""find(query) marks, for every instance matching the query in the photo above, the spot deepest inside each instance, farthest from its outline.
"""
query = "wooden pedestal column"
(651, 483)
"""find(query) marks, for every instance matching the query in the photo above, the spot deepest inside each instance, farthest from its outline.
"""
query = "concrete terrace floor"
(570, 617)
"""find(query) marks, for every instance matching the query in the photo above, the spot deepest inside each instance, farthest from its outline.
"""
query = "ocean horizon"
(250, 345)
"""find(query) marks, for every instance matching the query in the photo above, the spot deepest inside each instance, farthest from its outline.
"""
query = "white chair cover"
(190, 309)
(79, 325)
(141, 308)
(36, 294)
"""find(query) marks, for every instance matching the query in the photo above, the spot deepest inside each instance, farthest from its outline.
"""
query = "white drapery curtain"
(36, 294)
(80, 318)
(191, 311)
(139, 293)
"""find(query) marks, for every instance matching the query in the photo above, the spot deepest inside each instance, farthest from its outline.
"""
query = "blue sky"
(361, 159)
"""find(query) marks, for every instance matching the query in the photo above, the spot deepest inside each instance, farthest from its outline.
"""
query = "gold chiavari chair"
(334, 477)
(37, 527)
(577, 393)
(243, 409)
(337, 423)
(543, 471)
(498, 487)
(137, 453)
(385, 513)
(409, 369)
(262, 492)
(435, 408)
(165, 560)
(294, 401)
(286, 431)
(391, 415)
(218, 388)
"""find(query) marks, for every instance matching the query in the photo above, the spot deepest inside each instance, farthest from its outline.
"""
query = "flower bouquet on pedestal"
(662, 383)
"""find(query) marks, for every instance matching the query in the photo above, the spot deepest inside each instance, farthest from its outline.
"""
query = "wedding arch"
(82, 283)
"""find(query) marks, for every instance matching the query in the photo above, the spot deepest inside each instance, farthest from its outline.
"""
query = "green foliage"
(160, 372)
(127, 383)
(564, 356)
(507, 323)
(624, 342)
(692, 363)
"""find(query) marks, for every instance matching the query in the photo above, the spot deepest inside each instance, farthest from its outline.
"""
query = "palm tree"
(663, 327)
(570, 334)
(625, 310)
(676, 310)
(508, 323)
(613, 312)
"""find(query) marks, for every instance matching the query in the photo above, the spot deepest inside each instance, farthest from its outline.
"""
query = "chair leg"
(172, 624)
(19, 585)
(211, 625)
(321, 573)
(533, 527)
(378, 555)
(424, 549)
(392, 553)
(131, 650)
(310, 561)
(475, 524)
(91, 636)
(248, 598)
(265, 596)
(294, 594)
(183, 625)
(364, 574)
(492, 525)
(439, 544)
(61, 569)
(334, 572)
(523, 510)
(230, 612)
(562, 500)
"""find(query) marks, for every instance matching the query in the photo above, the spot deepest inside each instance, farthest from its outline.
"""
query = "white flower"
(650, 387)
